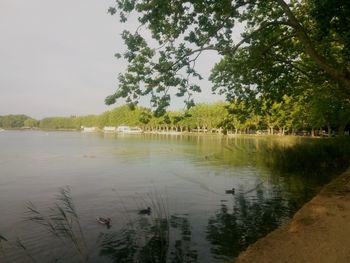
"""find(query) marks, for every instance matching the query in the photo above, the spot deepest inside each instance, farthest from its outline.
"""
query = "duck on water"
(146, 211)
(104, 221)
(231, 191)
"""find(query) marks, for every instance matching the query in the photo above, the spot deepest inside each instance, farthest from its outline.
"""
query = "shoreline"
(229, 135)
(319, 232)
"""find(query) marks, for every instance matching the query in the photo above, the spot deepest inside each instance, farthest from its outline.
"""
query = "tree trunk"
(343, 122)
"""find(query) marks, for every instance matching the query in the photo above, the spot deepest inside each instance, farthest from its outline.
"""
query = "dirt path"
(318, 233)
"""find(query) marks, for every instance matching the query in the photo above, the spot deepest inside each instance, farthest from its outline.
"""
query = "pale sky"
(57, 58)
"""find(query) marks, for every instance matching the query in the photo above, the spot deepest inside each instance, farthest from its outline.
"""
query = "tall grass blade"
(2, 238)
(20, 245)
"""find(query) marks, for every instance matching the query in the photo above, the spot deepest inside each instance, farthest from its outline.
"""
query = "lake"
(182, 178)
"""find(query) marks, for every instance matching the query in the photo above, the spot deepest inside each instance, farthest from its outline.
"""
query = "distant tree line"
(292, 115)
(17, 121)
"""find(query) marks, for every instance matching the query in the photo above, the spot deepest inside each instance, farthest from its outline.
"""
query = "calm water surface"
(115, 176)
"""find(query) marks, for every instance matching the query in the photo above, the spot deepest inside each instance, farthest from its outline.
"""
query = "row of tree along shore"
(286, 117)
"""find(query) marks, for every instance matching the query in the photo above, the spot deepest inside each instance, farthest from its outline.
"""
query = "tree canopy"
(13, 121)
(287, 48)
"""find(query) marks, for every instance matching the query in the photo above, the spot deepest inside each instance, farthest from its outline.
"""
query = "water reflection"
(151, 241)
(272, 179)
(232, 229)
(160, 237)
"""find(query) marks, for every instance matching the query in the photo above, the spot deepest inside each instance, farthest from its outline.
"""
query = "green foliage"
(56, 123)
(207, 116)
(289, 71)
(285, 49)
(309, 158)
(31, 123)
(326, 109)
(16, 121)
(125, 116)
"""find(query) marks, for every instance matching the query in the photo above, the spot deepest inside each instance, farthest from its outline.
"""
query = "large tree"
(283, 44)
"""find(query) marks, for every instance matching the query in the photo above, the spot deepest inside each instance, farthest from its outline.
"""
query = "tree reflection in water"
(230, 232)
(297, 169)
(151, 240)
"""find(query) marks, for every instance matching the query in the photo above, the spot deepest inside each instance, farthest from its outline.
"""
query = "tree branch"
(286, 37)
(234, 49)
(293, 66)
(302, 35)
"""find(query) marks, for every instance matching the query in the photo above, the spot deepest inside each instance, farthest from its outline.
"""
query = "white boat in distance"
(127, 129)
(89, 129)
(1, 130)
(109, 129)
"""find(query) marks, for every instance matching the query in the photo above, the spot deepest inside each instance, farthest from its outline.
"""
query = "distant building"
(89, 129)
(127, 129)
(109, 129)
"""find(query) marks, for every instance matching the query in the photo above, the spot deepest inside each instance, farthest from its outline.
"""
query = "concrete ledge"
(318, 233)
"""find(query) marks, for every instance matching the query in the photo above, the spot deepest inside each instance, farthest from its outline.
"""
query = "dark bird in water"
(104, 221)
(146, 211)
(232, 191)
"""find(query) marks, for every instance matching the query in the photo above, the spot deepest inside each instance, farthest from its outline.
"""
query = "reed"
(154, 237)
(2, 250)
(18, 244)
(62, 222)
(21, 246)
(2, 238)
